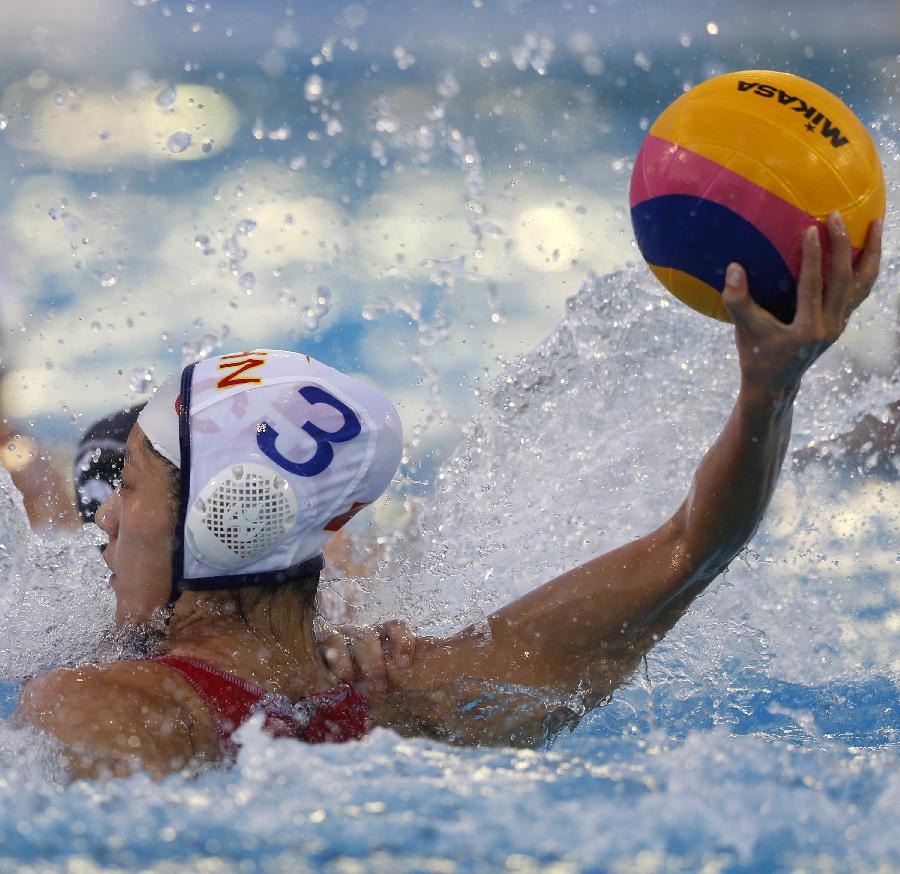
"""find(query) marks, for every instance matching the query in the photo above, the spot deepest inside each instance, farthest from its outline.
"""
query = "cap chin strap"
(310, 568)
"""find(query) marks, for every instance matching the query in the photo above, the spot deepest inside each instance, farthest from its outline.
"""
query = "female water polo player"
(239, 469)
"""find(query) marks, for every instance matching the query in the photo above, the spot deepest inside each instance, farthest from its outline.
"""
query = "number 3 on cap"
(324, 454)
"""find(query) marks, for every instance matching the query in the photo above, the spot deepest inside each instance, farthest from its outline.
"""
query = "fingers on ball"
(870, 260)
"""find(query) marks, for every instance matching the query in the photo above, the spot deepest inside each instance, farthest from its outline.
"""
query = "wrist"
(766, 397)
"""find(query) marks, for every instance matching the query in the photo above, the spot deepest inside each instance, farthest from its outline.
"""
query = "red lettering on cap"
(178, 405)
(240, 365)
(340, 521)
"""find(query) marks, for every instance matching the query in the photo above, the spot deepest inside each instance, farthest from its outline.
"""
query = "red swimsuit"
(336, 716)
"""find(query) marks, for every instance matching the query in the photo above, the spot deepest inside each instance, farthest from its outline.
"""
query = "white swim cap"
(277, 451)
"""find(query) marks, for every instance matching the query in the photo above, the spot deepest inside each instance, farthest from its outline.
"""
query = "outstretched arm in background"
(593, 623)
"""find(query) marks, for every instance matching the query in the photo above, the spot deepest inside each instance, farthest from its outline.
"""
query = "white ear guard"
(242, 513)
(277, 451)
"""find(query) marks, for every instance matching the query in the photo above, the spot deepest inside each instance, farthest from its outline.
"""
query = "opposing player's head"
(264, 455)
(99, 459)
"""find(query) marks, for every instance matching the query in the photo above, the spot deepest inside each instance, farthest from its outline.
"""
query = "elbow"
(693, 563)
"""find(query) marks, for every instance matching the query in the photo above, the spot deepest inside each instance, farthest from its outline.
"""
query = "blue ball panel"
(702, 238)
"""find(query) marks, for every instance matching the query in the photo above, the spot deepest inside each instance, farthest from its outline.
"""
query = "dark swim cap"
(100, 458)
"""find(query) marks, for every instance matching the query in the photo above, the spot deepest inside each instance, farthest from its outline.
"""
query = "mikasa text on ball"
(735, 170)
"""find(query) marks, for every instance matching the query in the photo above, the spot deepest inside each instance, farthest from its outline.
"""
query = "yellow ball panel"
(692, 291)
(757, 133)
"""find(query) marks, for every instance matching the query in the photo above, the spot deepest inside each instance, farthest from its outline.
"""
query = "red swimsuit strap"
(230, 699)
(338, 715)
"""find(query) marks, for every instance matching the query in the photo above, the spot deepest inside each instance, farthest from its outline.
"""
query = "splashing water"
(166, 98)
(140, 380)
(765, 726)
(197, 350)
(107, 280)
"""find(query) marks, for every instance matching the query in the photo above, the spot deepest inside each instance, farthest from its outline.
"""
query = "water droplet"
(355, 16)
(103, 134)
(247, 281)
(70, 222)
(313, 87)
(166, 98)
(95, 327)
(206, 146)
(53, 212)
(447, 85)
(4, 121)
(107, 280)
(233, 249)
(140, 379)
(245, 227)
(178, 142)
(322, 303)
(207, 345)
(201, 241)
(403, 58)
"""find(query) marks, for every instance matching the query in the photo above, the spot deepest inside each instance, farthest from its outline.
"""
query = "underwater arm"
(592, 624)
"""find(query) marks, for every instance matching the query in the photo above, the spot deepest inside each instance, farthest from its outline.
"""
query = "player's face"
(140, 522)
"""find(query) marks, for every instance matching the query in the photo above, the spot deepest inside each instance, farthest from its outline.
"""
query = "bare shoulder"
(83, 691)
(117, 718)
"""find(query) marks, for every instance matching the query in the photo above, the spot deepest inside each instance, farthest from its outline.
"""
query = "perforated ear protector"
(242, 513)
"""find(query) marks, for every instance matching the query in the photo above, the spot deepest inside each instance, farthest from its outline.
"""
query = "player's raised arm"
(608, 611)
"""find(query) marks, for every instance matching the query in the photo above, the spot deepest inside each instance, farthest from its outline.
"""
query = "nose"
(107, 515)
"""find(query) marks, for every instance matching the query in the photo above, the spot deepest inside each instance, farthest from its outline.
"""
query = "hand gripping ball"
(736, 169)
